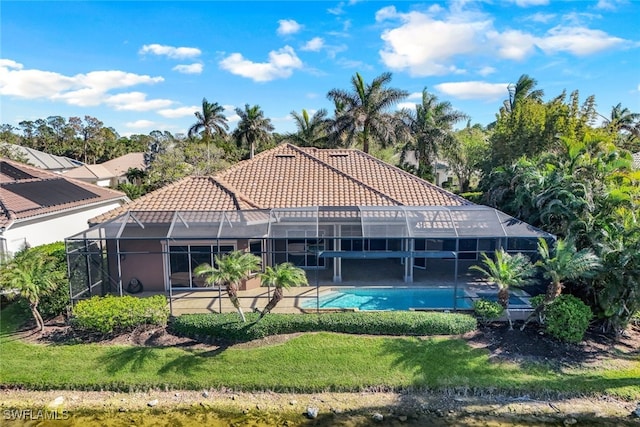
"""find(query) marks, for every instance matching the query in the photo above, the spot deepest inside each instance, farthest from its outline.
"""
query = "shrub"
(113, 314)
(567, 318)
(55, 302)
(227, 326)
(486, 310)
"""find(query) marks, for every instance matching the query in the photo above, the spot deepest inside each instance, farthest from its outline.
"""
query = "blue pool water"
(390, 299)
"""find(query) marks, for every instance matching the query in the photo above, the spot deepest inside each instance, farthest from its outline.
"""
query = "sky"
(144, 66)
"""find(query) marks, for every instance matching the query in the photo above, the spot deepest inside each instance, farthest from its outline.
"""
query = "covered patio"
(396, 246)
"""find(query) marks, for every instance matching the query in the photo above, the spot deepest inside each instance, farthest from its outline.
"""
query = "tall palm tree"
(30, 277)
(522, 89)
(252, 127)
(431, 129)
(210, 122)
(507, 271)
(313, 131)
(282, 276)
(364, 111)
(229, 270)
(622, 119)
(565, 263)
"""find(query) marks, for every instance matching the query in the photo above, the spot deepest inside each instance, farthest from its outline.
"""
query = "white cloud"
(136, 101)
(406, 105)
(280, 65)
(81, 89)
(170, 51)
(195, 68)
(542, 18)
(425, 46)
(314, 45)
(474, 90)
(513, 44)
(485, 71)
(174, 113)
(609, 4)
(415, 95)
(288, 26)
(140, 124)
(578, 41)
(527, 3)
(433, 43)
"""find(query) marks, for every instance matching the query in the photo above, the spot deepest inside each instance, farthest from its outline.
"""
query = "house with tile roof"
(38, 206)
(328, 211)
(110, 173)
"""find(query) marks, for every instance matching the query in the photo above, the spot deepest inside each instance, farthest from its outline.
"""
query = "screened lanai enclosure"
(157, 251)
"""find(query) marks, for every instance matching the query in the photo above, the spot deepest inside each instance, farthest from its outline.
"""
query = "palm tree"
(211, 122)
(431, 129)
(282, 276)
(506, 271)
(523, 89)
(567, 263)
(363, 112)
(312, 131)
(622, 119)
(229, 270)
(252, 127)
(30, 277)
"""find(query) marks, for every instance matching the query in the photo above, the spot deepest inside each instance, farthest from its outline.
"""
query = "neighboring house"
(110, 173)
(443, 175)
(636, 160)
(327, 211)
(38, 207)
(44, 160)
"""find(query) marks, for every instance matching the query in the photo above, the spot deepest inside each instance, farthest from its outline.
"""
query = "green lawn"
(309, 363)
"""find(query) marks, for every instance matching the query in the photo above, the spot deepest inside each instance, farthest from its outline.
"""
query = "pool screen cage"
(160, 249)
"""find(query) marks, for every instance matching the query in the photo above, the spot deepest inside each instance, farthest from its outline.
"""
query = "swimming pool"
(390, 299)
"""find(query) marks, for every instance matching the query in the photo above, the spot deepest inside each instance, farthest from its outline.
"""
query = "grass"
(308, 363)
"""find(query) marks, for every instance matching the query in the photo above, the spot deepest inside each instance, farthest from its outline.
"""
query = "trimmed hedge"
(112, 314)
(228, 327)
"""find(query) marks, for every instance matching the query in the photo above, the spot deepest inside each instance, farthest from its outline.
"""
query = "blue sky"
(141, 66)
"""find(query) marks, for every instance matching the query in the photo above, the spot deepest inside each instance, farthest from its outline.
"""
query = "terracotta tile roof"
(120, 165)
(26, 191)
(289, 176)
(193, 193)
(89, 172)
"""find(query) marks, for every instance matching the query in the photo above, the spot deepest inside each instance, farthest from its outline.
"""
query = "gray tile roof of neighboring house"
(636, 160)
(26, 191)
(44, 160)
(290, 176)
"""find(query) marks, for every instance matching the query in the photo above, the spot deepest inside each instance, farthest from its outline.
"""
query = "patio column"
(408, 262)
(337, 262)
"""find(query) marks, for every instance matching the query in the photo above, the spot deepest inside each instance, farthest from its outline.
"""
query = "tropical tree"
(363, 112)
(467, 156)
(229, 270)
(253, 127)
(523, 89)
(282, 276)
(564, 263)
(30, 275)
(431, 130)
(626, 125)
(210, 122)
(506, 271)
(313, 131)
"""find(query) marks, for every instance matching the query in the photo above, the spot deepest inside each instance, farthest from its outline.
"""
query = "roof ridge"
(235, 194)
(346, 175)
(241, 163)
(416, 178)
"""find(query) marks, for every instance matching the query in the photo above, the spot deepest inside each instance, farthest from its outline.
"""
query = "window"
(303, 251)
(184, 259)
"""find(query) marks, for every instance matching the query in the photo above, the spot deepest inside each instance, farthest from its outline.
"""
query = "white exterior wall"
(54, 227)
